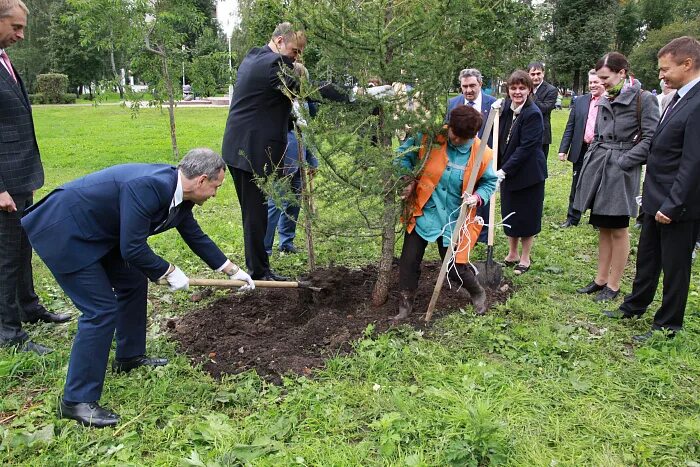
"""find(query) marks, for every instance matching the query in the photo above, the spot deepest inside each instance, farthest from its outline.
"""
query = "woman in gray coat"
(612, 167)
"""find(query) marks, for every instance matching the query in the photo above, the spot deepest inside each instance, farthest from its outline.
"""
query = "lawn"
(543, 380)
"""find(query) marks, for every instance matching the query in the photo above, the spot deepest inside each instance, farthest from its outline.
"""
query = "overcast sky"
(227, 13)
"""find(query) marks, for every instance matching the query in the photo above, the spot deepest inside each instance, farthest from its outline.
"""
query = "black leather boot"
(406, 300)
(476, 292)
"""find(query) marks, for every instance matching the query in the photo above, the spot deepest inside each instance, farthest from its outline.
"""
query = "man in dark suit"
(545, 98)
(21, 173)
(92, 233)
(256, 134)
(671, 195)
(470, 82)
(579, 132)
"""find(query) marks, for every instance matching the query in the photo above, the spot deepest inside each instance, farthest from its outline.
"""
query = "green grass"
(543, 380)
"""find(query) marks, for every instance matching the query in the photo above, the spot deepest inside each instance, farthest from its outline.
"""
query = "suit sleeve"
(650, 120)
(549, 100)
(688, 171)
(199, 242)
(565, 145)
(530, 141)
(282, 75)
(139, 202)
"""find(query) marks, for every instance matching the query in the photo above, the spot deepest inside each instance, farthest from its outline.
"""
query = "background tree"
(165, 26)
(29, 56)
(84, 64)
(581, 33)
(107, 25)
(643, 58)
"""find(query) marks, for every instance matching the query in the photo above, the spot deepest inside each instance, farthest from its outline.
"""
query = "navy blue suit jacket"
(522, 158)
(572, 139)
(486, 102)
(119, 207)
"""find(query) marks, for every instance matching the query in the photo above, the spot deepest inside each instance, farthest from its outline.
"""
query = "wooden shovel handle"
(229, 283)
(492, 203)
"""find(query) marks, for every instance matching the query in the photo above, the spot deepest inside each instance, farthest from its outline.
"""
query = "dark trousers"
(18, 301)
(573, 215)
(254, 213)
(666, 248)
(545, 150)
(412, 256)
(111, 295)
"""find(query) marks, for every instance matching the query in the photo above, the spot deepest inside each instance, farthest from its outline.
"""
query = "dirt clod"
(276, 331)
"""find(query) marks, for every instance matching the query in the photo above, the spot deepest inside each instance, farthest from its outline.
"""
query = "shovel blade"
(490, 273)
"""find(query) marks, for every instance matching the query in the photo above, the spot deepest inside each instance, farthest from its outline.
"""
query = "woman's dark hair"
(465, 121)
(615, 61)
(521, 77)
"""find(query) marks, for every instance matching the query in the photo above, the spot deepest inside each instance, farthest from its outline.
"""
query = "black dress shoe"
(592, 287)
(273, 276)
(88, 414)
(568, 223)
(669, 334)
(126, 365)
(606, 294)
(29, 346)
(48, 317)
(289, 250)
(619, 314)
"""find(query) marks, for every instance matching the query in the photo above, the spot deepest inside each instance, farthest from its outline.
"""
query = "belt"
(623, 145)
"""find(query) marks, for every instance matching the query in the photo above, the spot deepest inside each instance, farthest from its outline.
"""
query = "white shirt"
(477, 102)
(177, 197)
(682, 91)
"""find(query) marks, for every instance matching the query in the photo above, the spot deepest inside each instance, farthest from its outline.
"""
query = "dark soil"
(276, 331)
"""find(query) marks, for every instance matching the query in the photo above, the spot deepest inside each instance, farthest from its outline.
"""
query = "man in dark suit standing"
(256, 134)
(579, 132)
(470, 82)
(671, 195)
(21, 173)
(545, 98)
(92, 233)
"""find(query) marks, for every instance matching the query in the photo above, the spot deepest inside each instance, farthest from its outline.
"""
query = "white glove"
(241, 275)
(501, 175)
(471, 200)
(498, 104)
(177, 280)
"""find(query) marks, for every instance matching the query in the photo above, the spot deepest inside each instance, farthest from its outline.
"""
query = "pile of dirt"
(276, 331)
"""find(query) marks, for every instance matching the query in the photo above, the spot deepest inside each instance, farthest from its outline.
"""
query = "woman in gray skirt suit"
(612, 167)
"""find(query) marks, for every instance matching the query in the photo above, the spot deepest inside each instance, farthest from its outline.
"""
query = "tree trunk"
(380, 293)
(171, 106)
(577, 81)
(306, 201)
(117, 76)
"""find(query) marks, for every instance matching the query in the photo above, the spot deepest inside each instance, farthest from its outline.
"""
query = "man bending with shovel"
(435, 198)
(92, 234)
